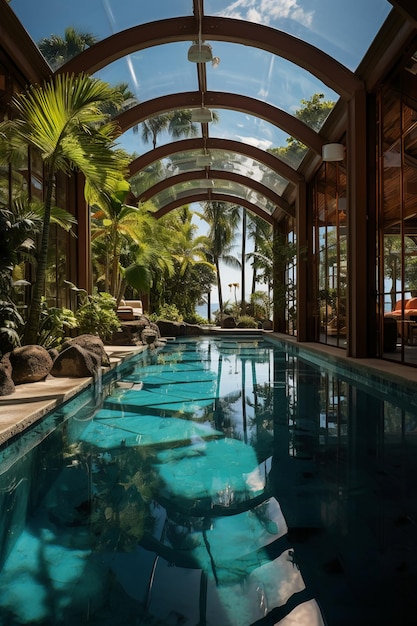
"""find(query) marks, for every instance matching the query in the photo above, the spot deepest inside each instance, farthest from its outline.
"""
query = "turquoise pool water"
(215, 482)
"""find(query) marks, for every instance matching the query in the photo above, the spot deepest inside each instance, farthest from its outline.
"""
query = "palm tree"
(57, 50)
(63, 120)
(176, 123)
(223, 220)
(128, 242)
(154, 126)
(260, 232)
(193, 273)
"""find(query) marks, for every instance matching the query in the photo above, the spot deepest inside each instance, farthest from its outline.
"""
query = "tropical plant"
(246, 321)
(55, 322)
(57, 50)
(168, 312)
(261, 304)
(223, 220)
(63, 120)
(193, 274)
(176, 123)
(312, 112)
(11, 325)
(96, 313)
(129, 243)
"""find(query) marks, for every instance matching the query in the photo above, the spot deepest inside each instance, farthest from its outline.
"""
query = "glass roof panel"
(246, 166)
(254, 131)
(102, 18)
(247, 129)
(153, 72)
(183, 190)
(344, 30)
(264, 76)
(220, 160)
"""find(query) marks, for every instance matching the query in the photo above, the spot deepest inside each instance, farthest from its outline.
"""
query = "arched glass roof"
(214, 161)
(270, 58)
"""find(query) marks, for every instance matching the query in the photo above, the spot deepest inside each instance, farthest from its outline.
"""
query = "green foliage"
(195, 318)
(169, 312)
(312, 112)
(63, 121)
(11, 326)
(246, 321)
(54, 324)
(261, 302)
(96, 313)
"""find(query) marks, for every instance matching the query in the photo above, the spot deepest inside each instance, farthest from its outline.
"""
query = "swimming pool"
(219, 481)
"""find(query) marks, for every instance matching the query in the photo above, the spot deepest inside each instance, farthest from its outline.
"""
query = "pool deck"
(32, 401)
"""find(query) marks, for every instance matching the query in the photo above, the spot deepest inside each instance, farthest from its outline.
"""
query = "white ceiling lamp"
(204, 160)
(202, 114)
(333, 152)
(200, 53)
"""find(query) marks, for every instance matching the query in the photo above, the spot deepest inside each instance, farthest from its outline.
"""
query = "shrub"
(169, 312)
(54, 324)
(245, 321)
(196, 319)
(96, 314)
(11, 326)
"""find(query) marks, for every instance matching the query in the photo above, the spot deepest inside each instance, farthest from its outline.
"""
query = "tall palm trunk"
(243, 274)
(219, 286)
(33, 322)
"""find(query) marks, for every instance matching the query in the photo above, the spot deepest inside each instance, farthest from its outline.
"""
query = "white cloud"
(263, 144)
(267, 11)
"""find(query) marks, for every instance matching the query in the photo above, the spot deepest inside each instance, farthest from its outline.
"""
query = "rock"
(228, 322)
(5, 361)
(53, 353)
(172, 329)
(91, 343)
(7, 386)
(30, 364)
(149, 336)
(75, 362)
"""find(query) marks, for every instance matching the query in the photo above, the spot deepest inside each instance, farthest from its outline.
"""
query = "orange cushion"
(411, 304)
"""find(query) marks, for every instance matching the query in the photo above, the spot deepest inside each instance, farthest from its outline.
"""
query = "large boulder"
(76, 362)
(228, 321)
(91, 343)
(7, 386)
(30, 364)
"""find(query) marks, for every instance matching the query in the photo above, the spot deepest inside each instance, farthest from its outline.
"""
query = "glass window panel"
(261, 75)
(153, 72)
(102, 18)
(344, 30)
(221, 160)
(256, 132)
(219, 186)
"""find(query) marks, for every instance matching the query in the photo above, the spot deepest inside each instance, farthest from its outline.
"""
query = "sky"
(344, 29)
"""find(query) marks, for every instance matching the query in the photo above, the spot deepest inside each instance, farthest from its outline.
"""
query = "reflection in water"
(163, 502)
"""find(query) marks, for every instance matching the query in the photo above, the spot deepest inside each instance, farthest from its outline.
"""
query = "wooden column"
(302, 230)
(278, 280)
(357, 257)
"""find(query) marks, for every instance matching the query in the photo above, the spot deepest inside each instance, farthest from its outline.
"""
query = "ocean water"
(203, 310)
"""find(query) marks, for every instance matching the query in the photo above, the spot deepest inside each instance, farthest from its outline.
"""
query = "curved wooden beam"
(217, 175)
(325, 68)
(184, 145)
(196, 196)
(221, 100)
